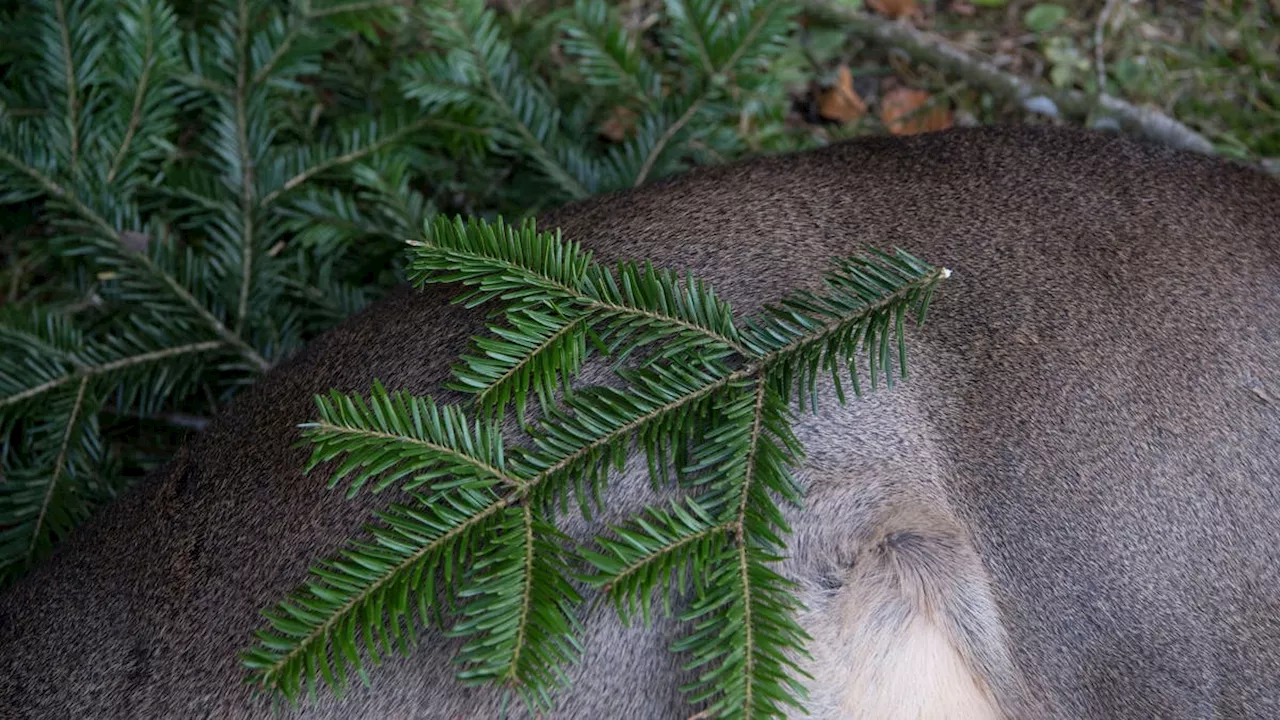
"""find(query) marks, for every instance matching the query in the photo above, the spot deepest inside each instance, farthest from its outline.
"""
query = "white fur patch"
(882, 649)
(917, 674)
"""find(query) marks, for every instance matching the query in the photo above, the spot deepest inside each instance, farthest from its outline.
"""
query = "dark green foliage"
(194, 190)
(476, 540)
(157, 159)
(681, 101)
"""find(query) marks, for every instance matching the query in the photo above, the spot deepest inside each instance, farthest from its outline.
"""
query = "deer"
(1070, 510)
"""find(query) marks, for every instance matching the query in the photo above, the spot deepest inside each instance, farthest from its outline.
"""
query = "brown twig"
(1099, 34)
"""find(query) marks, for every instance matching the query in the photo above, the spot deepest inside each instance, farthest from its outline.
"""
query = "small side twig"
(1099, 34)
(1037, 97)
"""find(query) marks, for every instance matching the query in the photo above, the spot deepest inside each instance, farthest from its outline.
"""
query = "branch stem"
(135, 114)
(539, 151)
(247, 182)
(58, 465)
(344, 159)
(487, 469)
(86, 372)
(693, 108)
(73, 88)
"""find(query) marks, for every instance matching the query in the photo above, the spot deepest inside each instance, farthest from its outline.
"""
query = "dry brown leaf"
(901, 112)
(893, 8)
(619, 124)
(839, 102)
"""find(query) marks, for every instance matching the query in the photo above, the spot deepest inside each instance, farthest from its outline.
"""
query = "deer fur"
(1071, 510)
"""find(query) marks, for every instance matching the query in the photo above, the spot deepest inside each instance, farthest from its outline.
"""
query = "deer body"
(1070, 510)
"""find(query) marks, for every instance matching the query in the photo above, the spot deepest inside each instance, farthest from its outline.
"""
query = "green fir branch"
(86, 372)
(364, 592)
(655, 551)
(629, 308)
(71, 82)
(247, 186)
(490, 72)
(520, 615)
(348, 157)
(515, 604)
(72, 422)
(698, 19)
(607, 53)
(156, 23)
(145, 161)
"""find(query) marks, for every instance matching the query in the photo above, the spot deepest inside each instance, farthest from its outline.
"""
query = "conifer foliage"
(212, 184)
(162, 169)
(474, 540)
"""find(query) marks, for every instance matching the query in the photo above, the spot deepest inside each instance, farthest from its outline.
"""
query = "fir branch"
(51, 186)
(868, 298)
(142, 262)
(634, 307)
(744, 622)
(282, 50)
(657, 545)
(58, 465)
(184, 261)
(652, 158)
(700, 32)
(72, 83)
(538, 350)
(86, 372)
(394, 435)
(157, 24)
(607, 54)
(346, 158)
(521, 618)
(279, 660)
(247, 189)
(518, 613)
(475, 21)
(757, 418)
(177, 289)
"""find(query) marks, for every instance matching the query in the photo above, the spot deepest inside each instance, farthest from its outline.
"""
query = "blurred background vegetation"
(193, 190)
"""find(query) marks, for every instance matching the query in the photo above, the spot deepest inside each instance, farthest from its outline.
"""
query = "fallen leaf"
(901, 113)
(893, 8)
(839, 102)
(619, 124)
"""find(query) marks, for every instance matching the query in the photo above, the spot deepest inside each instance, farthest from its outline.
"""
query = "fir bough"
(474, 538)
(209, 185)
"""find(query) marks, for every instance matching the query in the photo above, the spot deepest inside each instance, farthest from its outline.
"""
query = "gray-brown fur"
(1080, 483)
